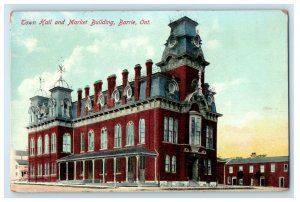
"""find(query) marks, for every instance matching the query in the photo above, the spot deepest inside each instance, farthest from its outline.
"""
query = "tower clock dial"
(196, 41)
(172, 41)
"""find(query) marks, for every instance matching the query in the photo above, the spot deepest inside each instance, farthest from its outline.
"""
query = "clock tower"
(183, 56)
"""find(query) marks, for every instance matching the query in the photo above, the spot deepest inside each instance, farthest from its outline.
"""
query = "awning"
(140, 151)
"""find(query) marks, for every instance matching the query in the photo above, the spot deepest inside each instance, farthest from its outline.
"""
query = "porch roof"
(108, 154)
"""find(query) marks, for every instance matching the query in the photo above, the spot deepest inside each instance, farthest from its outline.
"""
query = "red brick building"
(256, 171)
(160, 128)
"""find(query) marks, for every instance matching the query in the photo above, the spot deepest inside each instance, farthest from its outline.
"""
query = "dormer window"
(173, 87)
(128, 91)
(116, 95)
(101, 100)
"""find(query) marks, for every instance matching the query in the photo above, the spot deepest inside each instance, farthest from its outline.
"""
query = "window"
(91, 140)
(46, 169)
(53, 168)
(170, 129)
(175, 132)
(228, 180)
(46, 144)
(103, 138)
(262, 168)
(166, 129)
(167, 164)
(130, 133)
(31, 147)
(81, 142)
(286, 167)
(40, 148)
(240, 168)
(230, 169)
(170, 138)
(195, 130)
(118, 136)
(250, 169)
(53, 143)
(209, 137)
(16, 166)
(142, 131)
(40, 170)
(174, 164)
(67, 142)
(208, 166)
(273, 168)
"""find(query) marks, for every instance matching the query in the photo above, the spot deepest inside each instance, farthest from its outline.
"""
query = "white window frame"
(32, 145)
(91, 140)
(195, 130)
(142, 131)
(103, 138)
(53, 143)
(130, 134)
(273, 167)
(118, 136)
(286, 167)
(251, 169)
(230, 169)
(262, 168)
(40, 145)
(66, 143)
(173, 164)
(209, 167)
(170, 129)
(166, 129)
(175, 131)
(46, 144)
(209, 137)
(167, 164)
(82, 142)
(241, 168)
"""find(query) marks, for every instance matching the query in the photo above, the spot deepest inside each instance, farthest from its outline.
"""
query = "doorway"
(234, 181)
(262, 181)
(142, 169)
(281, 182)
(195, 171)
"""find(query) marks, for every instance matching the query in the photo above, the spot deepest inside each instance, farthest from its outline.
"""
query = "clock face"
(196, 41)
(172, 41)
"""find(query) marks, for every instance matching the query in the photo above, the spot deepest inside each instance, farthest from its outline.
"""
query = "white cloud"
(30, 44)
(223, 86)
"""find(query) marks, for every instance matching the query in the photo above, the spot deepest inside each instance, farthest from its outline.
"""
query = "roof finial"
(61, 69)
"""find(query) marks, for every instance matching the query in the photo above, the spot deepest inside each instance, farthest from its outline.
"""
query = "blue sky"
(247, 51)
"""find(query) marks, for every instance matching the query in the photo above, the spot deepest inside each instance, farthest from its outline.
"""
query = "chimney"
(97, 90)
(87, 93)
(125, 81)
(111, 81)
(149, 64)
(79, 97)
(137, 70)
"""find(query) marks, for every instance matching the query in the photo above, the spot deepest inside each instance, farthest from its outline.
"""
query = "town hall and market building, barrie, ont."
(160, 128)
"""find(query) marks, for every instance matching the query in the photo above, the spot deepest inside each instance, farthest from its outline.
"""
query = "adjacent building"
(19, 165)
(160, 127)
(255, 171)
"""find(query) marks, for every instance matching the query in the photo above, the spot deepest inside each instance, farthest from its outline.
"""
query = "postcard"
(168, 101)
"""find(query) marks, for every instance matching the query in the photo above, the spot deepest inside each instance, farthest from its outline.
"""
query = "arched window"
(174, 164)
(67, 142)
(46, 144)
(103, 138)
(130, 134)
(142, 131)
(167, 164)
(53, 143)
(118, 135)
(32, 147)
(91, 140)
(40, 147)
(195, 130)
